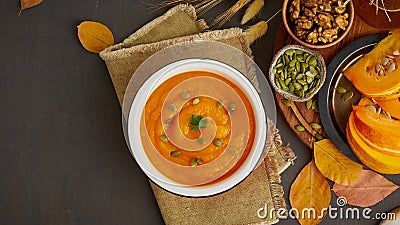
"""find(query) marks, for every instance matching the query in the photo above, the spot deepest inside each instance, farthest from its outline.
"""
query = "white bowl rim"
(206, 190)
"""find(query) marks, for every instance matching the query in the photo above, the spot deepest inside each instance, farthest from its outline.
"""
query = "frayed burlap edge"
(188, 9)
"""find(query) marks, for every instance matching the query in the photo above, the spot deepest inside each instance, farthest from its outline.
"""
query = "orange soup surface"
(195, 119)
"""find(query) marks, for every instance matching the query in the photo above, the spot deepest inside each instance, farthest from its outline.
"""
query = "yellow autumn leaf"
(94, 36)
(310, 196)
(334, 165)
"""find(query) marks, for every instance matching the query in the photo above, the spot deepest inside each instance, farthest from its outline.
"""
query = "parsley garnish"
(197, 122)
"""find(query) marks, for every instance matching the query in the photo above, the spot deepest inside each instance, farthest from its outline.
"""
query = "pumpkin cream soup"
(197, 128)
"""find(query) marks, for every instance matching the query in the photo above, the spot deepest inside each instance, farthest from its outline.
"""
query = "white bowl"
(158, 78)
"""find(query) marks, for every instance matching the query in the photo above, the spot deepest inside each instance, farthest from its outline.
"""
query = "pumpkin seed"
(341, 90)
(319, 137)
(299, 76)
(347, 96)
(287, 81)
(174, 153)
(297, 86)
(184, 95)
(163, 138)
(172, 107)
(168, 121)
(218, 142)
(201, 141)
(292, 63)
(196, 161)
(232, 106)
(309, 104)
(277, 83)
(233, 150)
(220, 104)
(299, 52)
(286, 102)
(312, 61)
(279, 65)
(300, 128)
(291, 88)
(196, 101)
(314, 104)
(315, 126)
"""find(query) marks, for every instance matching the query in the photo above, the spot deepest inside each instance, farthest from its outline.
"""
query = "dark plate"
(334, 111)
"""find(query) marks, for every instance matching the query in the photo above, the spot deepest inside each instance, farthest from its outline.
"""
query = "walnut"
(302, 34)
(325, 7)
(310, 3)
(295, 9)
(312, 37)
(340, 9)
(318, 21)
(329, 34)
(309, 13)
(341, 21)
(324, 20)
(304, 23)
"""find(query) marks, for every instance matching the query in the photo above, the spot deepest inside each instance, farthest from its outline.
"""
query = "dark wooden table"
(63, 157)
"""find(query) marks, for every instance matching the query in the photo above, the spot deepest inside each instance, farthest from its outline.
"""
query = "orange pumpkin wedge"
(377, 130)
(391, 106)
(375, 160)
(377, 74)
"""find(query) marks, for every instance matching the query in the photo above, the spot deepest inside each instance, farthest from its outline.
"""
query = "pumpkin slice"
(378, 130)
(377, 73)
(391, 106)
(375, 160)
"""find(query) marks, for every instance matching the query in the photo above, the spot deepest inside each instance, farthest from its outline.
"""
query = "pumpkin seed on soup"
(196, 161)
(174, 153)
(163, 138)
(196, 101)
(218, 142)
(184, 95)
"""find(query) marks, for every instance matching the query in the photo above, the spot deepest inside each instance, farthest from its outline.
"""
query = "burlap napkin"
(262, 188)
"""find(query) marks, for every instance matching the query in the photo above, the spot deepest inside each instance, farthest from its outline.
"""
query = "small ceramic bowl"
(293, 75)
(289, 25)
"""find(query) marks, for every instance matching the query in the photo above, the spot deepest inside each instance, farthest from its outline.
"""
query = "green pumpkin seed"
(279, 65)
(184, 95)
(319, 137)
(277, 83)
(305, 87)
(163, 138)
(315, 126)
(292, 63)
(309, 80)
(196, 101)
(291, 88)
(298, 66)
(233, 150)
(220, 104)
(299, 52)
(286, 102)
(232, 106)
(312, 61)
(287, 81)
(174, 153)
(309, 104)
(201, 141)
(308, 58)
(302, 82)
(299, 76)
(297, 86)
(341, 90)
(347, 96)
(314, 104)
(300, 128)
(172, 107)
(313, 70)
(168, 121)
(196, 161)
(218, 142)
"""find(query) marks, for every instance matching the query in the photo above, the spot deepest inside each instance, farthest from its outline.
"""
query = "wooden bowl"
(290, 28)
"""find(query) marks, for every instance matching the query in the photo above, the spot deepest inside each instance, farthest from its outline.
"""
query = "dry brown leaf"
(335, 165)
(94, 36)
(309, 194)
(369, 190)
(25, 4)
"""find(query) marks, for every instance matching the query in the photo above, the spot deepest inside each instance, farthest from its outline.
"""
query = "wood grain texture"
(298, 113)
